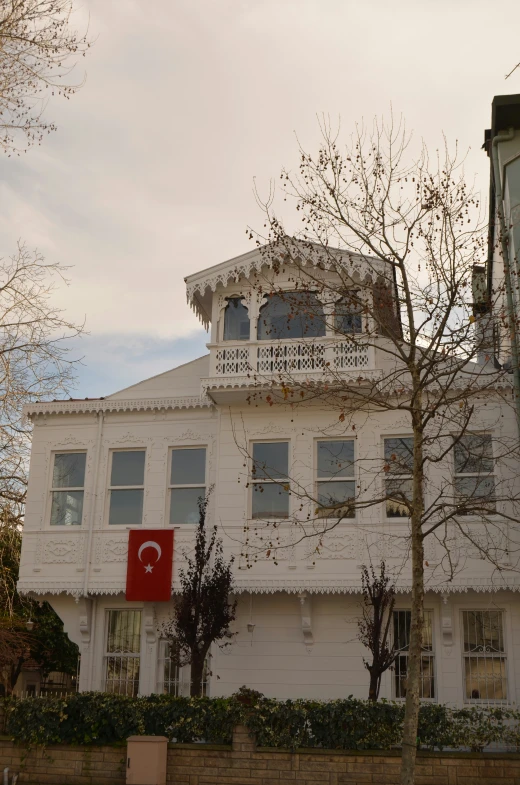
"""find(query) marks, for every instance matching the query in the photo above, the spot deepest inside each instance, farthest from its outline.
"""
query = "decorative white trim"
(311, 586)
(359, 267)
(116, 405)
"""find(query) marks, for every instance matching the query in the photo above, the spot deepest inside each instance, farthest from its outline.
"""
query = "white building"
(142, 456)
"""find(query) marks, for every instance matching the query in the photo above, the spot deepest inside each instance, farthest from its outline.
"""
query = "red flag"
(149, 567)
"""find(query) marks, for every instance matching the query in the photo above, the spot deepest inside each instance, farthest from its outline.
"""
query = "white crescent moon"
(150, 544)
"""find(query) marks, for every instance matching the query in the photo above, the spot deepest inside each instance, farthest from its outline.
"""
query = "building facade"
(142, 457)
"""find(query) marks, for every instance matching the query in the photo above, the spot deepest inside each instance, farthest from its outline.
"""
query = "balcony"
(241, 365)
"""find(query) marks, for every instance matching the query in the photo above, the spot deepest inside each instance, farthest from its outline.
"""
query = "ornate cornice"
(41, 587)
(116, 405)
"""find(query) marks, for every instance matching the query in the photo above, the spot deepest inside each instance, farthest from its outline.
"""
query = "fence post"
(242, 741)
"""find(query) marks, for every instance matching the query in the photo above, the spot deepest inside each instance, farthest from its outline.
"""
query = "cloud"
(149, 176)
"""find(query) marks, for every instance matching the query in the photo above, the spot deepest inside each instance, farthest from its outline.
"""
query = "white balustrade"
(276, 357)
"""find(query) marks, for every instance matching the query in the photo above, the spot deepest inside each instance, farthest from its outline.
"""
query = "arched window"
(291, 315)
(236, 320)
(348, 317)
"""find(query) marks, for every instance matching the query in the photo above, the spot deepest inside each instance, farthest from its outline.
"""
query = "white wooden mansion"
(141, 457)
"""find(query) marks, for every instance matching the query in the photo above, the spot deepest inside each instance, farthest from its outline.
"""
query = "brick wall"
(244, 764)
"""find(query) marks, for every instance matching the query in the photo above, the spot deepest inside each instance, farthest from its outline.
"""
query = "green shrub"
(348, 724)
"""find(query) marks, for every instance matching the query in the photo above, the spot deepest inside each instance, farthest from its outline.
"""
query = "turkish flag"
(149, 567)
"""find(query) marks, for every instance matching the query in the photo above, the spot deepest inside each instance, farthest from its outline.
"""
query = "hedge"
(348, 724)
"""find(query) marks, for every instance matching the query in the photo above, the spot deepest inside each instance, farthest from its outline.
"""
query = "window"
(236, 320)
(398, 469)
(174, 679)
(402, 621)
(269, 480)
(291, 315)
(187, 484)
(127, 488)
(484, 656)
(335, 465)
(122, 652)
(348, 315)
(169, 670)
(68, 480)
(474, 480)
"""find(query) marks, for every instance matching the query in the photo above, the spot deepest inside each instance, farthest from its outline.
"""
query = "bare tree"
(202, 611)
(381, 275)
(38, 48)
(35, 360)
(375, 624)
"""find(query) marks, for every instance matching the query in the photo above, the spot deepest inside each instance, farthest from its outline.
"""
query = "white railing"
(275, 357)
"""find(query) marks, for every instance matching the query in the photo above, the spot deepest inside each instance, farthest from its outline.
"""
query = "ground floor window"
(174, 679)
(122, 652)
(402, 620)
(484, 653)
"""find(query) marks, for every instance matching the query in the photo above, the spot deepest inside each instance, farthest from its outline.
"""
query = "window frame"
(389, 476)
(170, 486)
(182, 680)
(53, 490)
(425, 654)
(263, 481)
(264, 301)
(503, 655)
(111, 487)
(318, 480)
(242, 298)
(127, 655)
(462, 475)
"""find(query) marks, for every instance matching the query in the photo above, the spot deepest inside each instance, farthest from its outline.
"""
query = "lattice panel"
(288, 358)
(232, 361)
(349, 355)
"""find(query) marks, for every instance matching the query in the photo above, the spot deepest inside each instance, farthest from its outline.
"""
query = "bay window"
(126, 489)
(336, 486)
(269, 481)
(187, 485)
(67, 492)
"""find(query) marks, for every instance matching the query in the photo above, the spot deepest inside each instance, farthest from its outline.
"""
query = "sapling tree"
(374, 627)
(203, 611)
(378, 289)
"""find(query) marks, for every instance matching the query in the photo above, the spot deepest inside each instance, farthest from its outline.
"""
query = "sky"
(187, 103)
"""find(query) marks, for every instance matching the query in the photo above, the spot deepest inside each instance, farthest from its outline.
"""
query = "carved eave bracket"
(306, 618)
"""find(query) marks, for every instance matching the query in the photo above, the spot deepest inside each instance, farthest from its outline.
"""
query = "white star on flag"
(148, 568)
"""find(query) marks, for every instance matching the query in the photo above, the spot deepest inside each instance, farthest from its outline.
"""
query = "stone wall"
(244, 764)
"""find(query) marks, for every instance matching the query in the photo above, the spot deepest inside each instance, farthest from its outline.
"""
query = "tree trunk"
(413, 680)
(373, 690)
(197, 671)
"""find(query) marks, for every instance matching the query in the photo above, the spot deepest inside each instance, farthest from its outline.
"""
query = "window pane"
(473, 454)
(184, 505)
(126, 507)
(347, 316)
(397, 492)
(483, 631)
(124, 632)
(122, 675)
(67, 508)
(402, 621)
(128, 468)
(427, 686)
(236, 320)
(332, 497)
(188, 467)
(291, 315)
(477, 493)
(485, 678)
(270, 460)
(399, 455)
(336, 459)
(69, 470)
(270, 500)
